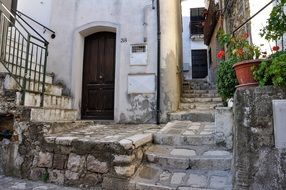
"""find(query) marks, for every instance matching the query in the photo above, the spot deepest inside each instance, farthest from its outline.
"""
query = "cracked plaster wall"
(257, 163)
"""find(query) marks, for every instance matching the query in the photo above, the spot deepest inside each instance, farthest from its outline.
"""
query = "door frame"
(77, 62)
(95, 87)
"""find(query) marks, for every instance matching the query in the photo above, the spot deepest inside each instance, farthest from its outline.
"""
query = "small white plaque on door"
(279, 118)
(140, 84)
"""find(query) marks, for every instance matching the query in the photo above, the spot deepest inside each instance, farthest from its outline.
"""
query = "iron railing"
(23, 52)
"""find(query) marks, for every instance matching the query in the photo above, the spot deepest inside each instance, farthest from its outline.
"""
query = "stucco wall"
(171, 56)
(73, 20)
(132, 20)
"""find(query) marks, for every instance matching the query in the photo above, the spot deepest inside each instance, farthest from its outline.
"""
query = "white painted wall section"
(188, 44)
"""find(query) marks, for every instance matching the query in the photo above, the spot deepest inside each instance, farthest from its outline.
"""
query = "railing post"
(44, 76)
(23, 90)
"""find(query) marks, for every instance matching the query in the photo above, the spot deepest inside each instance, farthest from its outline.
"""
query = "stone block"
(140, 139)
(126, 171)
(76, 163)
(197, 180)
(92, 179)
(177, 178)
(165, 177)
(60, 161)
(183, 152)
(218, 182)
(57, 176)
(125, 159)
(94, 165)
(127, 144)
(224, 121)
(115, 183)
(45, 160)
(69, 175)
(65, 140)
(37, 173)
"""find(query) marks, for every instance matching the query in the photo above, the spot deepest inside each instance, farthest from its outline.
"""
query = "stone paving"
(104, 133)
(153, 176)
(184, 133)
(9, 183)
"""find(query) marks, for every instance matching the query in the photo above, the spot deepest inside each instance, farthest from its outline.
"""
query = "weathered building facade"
(235, 17)
(124, 85)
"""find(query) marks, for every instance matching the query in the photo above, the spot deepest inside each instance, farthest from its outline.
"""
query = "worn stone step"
(153, 177)
(182, 133)
(198, 87)
(206, 95)
(52, 115)
(213, 91)
(11, 84)
(192, 100)
(193, 115)
(21, 72)
(178, 158)
(199, 105)
(50, 101)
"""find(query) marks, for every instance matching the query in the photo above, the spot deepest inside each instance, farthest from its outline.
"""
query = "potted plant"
(273, 70)
(243, 53)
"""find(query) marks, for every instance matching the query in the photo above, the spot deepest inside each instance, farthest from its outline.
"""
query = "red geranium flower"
(220, 54)
(275, 48)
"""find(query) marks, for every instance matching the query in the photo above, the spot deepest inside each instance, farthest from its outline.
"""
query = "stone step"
(184, 133)
(51, 89)
(213, 91)
(153, 177)
(178, 158)
(192, 100)
(206, 95)
(21, 72)
(199, 105)
(52, 115)
(198, 87)
(50, 101)
(193, 115)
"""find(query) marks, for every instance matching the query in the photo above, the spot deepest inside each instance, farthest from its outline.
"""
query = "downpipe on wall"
(158, 60)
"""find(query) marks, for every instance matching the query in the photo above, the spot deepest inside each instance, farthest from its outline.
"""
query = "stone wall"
(257, 163)
(68, 161)
(237, 12)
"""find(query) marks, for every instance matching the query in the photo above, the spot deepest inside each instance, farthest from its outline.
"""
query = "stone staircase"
(57, 107)
(189, 152)
(198, 100)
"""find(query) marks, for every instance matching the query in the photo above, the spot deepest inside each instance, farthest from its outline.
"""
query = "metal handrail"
(23, 54)
(33, 20)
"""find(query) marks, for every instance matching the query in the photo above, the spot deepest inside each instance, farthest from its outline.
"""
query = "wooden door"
(98, 76)
(199, 64)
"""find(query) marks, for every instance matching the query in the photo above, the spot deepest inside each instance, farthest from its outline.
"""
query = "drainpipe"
(158, 61)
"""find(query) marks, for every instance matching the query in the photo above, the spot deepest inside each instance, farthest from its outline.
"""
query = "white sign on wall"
(144, 83)
(279, 112)
(138, 54)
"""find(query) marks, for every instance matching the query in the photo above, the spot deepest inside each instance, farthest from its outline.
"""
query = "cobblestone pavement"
(9, 183)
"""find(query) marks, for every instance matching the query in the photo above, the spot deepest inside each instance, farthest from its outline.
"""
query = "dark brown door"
(98, 76)
(199, 63)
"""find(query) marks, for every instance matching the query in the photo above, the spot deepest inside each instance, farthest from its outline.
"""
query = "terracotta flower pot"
(243, 71)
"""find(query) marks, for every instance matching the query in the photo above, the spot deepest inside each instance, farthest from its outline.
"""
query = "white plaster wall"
(171, 57)
(188, 44)
(258, 22)
(73, 20)
(40, 10)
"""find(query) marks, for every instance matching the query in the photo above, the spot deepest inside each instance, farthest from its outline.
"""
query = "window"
(196, 19)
